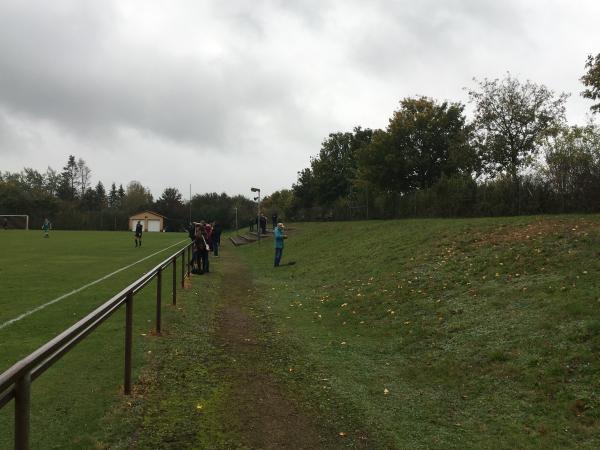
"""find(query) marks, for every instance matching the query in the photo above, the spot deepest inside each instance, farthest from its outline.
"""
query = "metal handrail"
(15, 383)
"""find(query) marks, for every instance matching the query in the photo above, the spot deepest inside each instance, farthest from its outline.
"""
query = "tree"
(171, 197)
(137, 197)
(279, 202)
(51, 181)
(334, 169)
(89, 200)
(170, 205)
(32, 180)
(221, 208)
(591, 79)
(304, 189)
(423, 141)
(113, 196)
(83, 176)
(67, 188)
(512, 120)
(573, 166)
(100, 195)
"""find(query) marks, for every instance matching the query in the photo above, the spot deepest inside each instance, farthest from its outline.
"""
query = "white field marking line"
(62, 297)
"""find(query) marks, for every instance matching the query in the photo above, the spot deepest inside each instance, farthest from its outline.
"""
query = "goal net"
(14, 222)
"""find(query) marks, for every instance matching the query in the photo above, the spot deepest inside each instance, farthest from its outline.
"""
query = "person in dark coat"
(216, 238)
(139, 228)
(201, 244)
(263, 224)
(274, 220)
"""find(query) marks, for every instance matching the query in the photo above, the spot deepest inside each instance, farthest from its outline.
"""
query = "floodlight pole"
(257, 212)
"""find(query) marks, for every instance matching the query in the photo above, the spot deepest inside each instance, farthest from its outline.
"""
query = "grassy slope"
(444, 333)
(68, 400)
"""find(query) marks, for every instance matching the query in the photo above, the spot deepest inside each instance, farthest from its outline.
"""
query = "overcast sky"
(231, 94)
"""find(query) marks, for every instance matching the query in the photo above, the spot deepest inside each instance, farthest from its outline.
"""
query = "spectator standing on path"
(278, 236)
(46, 227)
(195, 255)
(263, 223)
(202, 248)
(209, 230)
(139, 228)
(192, 231)
(5, 223)
(216, 238)
(274, 220)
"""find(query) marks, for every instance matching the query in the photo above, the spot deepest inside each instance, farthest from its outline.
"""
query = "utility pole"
(367, 189)
(190, 202)
(236, 221)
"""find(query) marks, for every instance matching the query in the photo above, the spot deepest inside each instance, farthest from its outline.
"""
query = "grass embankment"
(443, 333)
(69, 399)
(403, 334)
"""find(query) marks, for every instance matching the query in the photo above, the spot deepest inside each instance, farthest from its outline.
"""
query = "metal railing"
(15, 383)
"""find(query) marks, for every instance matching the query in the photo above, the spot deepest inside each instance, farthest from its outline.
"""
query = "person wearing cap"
(278, 236)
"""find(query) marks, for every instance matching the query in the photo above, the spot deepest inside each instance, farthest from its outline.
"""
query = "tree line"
(517, 155)
(70, 200)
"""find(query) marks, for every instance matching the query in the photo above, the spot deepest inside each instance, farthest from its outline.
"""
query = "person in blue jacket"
(278, 236)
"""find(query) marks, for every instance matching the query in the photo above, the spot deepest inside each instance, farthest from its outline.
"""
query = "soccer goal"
(14, 221)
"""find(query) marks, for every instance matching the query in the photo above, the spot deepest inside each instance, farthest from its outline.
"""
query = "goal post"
(14, 221)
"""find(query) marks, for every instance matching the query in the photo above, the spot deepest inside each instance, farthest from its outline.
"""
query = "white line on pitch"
(62, 297)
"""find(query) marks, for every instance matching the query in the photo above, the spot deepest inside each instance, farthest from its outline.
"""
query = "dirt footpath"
(260, 410)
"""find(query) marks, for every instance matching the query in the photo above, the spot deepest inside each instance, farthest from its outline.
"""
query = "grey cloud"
(65, 66)
(412, 36)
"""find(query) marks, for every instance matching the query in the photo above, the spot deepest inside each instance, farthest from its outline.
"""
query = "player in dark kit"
(138, 234)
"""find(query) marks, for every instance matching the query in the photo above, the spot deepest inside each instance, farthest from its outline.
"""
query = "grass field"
(69, 398)
(461, 334)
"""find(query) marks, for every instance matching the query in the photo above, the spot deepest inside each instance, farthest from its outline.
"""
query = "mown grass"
(397, 334)
(71, 397)
(204, 386)
(443, 333)
(176, 388)
(183, 397)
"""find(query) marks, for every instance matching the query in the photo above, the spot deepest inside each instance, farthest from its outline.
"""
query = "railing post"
(158, 299)
(128, 341)
(175, 281)
(22, 411)
(189, 260)
(182, 268)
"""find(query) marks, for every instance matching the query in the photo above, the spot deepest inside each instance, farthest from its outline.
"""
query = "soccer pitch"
(38, 277)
